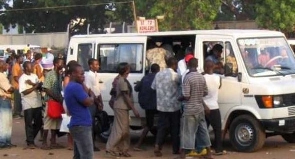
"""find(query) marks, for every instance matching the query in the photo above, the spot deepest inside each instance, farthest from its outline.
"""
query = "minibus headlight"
(267, 101)
(277, 101)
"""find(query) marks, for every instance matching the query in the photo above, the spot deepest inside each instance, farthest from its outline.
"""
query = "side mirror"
(239, 76)
(228, 69)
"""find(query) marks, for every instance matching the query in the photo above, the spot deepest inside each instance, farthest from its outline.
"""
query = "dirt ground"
(275, 148)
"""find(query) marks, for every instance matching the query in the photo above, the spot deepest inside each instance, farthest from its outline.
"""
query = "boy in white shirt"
(92, 82)
(31, 102)
(214, 119)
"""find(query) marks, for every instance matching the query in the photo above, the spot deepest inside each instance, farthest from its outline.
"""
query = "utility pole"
(134, 14)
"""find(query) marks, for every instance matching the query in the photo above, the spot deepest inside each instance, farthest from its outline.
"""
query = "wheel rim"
(244, 134)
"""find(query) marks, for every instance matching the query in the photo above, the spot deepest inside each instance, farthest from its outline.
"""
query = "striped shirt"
(195, 87)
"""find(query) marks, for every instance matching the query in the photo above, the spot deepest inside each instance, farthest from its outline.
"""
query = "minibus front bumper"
(282, 125)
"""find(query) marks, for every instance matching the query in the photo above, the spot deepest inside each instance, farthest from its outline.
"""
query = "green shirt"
(53, 82)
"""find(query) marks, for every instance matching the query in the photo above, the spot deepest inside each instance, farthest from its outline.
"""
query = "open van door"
(114, 50)
(228, 96)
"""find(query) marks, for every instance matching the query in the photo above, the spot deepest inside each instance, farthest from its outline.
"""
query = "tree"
(185, 14)
(237, 10)
(54, 19)
(276, 15)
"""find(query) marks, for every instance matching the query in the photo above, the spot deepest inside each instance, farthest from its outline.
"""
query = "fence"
(59, 40)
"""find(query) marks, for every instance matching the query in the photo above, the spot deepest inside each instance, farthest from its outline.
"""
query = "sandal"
(206, 157)
(45, 147)
(158, 153)
(137, 149)
(125, 154)
(112, 153)
(56, 146)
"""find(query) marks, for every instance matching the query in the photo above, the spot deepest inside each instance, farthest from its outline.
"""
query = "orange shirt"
(38, 71)
(16, 72)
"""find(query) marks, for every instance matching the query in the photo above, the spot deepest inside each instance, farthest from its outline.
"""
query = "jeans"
(17, 102)
(83, 144)
(214, 120)
(202, 135)
(166, 120)
(33, 123)
(5, 122)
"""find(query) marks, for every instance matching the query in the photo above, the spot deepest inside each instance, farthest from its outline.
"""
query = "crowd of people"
(184, 100)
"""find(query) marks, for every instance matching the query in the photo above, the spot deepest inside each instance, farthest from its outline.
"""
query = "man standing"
(147, 98)
(158, 55)
(166, 84)
(31, 101)
(5, 108)
(52, 87)
(92, 82)
(214, 119)
(193, 125)
(78, 101)
(28, 56)
(16, 73)
(215, 57)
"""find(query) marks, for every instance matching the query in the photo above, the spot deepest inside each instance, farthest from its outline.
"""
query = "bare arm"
(49, 93)
(28, 91)
(90, 100)
(129, 103)
(66, 81)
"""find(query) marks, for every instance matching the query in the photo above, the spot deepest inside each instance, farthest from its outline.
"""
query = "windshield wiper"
(276, 71)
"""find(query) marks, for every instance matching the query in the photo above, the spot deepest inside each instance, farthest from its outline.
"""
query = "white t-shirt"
(33, 99)
(181, 67)
(92, 82)
(213, 84)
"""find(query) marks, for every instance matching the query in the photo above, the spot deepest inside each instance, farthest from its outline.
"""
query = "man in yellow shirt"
(16, 73)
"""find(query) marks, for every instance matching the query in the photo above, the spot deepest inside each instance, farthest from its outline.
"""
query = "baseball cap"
(188, 57)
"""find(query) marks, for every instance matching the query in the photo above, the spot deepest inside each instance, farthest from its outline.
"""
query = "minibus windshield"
(270, 56)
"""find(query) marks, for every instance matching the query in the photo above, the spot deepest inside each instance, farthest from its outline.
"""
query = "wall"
(59, 40)
(247, 24)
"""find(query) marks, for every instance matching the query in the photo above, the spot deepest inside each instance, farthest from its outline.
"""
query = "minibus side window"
(84, 54)
(110, 55)
(230, 58)
(1, 52)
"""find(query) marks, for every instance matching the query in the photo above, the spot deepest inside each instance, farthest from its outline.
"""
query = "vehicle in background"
(257, 97)
(292, 43)
(19, 49)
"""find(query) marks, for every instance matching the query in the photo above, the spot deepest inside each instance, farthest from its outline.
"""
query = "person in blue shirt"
(78, 98)
(147, 98)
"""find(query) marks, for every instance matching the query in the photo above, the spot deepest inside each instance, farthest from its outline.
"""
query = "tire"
(246, 134)
(290, 138)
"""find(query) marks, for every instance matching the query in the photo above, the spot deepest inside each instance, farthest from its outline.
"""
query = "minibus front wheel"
(246, 133)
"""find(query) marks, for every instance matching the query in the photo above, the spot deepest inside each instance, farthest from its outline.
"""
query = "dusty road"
(275, 148)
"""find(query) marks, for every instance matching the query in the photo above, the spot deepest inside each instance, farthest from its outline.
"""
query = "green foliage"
(237, 10)
(276, 15)
(185, 14)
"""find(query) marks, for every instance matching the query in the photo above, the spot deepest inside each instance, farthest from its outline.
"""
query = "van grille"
(289, 99)
(291, 111)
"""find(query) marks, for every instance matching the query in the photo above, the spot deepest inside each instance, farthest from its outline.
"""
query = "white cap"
(47, 61)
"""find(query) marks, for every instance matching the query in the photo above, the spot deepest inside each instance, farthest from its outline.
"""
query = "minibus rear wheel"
(246, 134)
(289, 137)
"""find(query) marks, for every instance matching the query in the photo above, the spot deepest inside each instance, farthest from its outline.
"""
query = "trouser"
(83, 145)
(33, 123)
(214, 119)
(5, 122)
(150, 115)
(119, 140)
(17, 102)
(93, 110)
(166, 120)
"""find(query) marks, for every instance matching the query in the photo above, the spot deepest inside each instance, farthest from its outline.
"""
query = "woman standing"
(119, 140)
